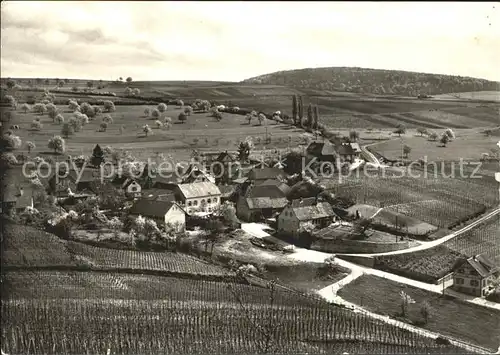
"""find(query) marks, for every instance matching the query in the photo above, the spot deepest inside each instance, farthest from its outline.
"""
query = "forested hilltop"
(375, 81)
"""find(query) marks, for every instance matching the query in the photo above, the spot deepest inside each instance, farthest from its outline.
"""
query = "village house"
(198, 197)
(132, 188)
(322, 151)
(165, 213)
(16, 200)
(299, 212)
(474, 276)
(348, 152)
(73, 181)
(260, 202)
(158, 194)
(259, 175)
(224, 167)
(196, 174)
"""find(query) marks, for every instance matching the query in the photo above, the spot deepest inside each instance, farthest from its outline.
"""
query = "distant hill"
(374, 81)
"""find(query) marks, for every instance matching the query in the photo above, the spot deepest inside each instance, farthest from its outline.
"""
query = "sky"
(232, 41)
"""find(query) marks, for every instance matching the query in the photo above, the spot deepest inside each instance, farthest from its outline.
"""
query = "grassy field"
(468, 146)
(474, 95)
(199, 132)
(431, 264)
(452, 317)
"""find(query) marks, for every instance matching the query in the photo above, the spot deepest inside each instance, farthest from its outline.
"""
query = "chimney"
(21, 191)
(300, 200)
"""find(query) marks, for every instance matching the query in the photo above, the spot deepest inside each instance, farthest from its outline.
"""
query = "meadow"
(468, 146)
(465, 321)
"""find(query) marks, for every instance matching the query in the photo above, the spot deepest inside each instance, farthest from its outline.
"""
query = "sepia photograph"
(249, 177)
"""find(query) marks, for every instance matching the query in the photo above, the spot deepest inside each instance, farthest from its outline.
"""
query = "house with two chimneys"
(475, 275)
(300, 212)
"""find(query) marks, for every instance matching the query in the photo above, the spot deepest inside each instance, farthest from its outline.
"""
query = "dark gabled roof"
(266, 202)
(227, 190)
(308, 208)
(348, 148)
(158, 194)
(265, 173)
(151, 208)
(271, 191)
(321, 149)
(281, 185)
(482, 265)
(222, 156)
(265, 196)
(87, 175)
(171, 179)
(128, 182)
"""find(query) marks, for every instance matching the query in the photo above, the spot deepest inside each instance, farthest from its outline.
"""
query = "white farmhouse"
(166, 213)
(198, 197)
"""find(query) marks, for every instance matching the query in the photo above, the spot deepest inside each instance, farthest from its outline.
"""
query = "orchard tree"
(109, 106)
(13, 142)
(129, 79)
(75, 123)
(136, 92)
(422, 131)
(36, 125)
(73, 105)
(39, 108)
(444, 139)
(262, 118)
(158, 124)
(128, 91)
(146, 129)
(449, 132)
(406, 151)
(30, 146)
(57, 144)
(107, 119)
(147, 111)
(162, 107)
(433, 136)
(103, 126)
(249, 118)
(400, 130)
(155, 113)
(59, 119)
(182, 117)
(67, 130)
(188, 110)
(25, 107)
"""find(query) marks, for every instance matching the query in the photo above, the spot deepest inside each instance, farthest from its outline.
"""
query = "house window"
(203, 201)
(459, 281)
(195, 202)
(215, 199)
(189, 203)
(209, 200)
(461, 271)
(474, 283)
